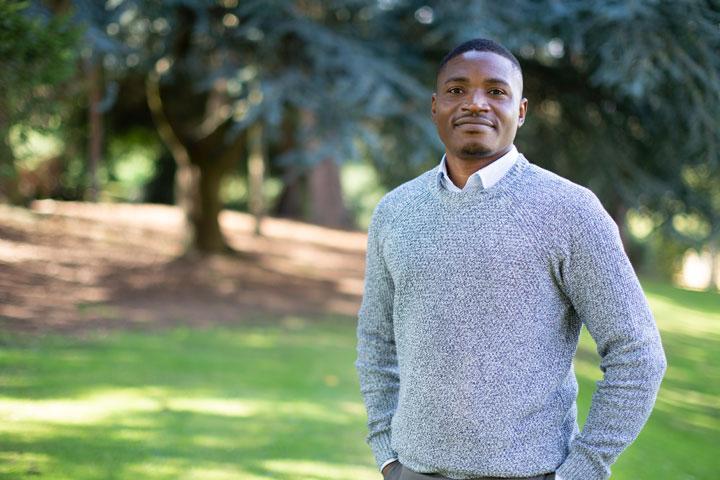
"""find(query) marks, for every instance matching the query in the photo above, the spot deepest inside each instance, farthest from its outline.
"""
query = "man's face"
(478, 105)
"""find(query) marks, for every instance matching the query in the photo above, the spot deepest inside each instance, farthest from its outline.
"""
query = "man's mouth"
(479, 121)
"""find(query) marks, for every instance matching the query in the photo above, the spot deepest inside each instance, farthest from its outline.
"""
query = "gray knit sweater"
(470, 320)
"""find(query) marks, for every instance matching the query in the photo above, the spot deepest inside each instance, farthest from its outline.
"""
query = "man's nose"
(477, 102)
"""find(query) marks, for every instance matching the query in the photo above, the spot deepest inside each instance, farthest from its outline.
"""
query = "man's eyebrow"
(457, 79)
(497, 81)
(494, 81)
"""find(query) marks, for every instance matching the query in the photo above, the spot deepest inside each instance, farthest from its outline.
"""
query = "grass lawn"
(281, 400)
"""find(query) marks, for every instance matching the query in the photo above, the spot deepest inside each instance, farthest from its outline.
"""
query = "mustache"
(474, 119)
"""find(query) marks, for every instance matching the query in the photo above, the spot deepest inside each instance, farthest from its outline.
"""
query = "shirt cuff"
(387, 463)
(558, 477)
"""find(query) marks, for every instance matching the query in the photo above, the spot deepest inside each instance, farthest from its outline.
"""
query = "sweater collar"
(486, 177)
(477, 192)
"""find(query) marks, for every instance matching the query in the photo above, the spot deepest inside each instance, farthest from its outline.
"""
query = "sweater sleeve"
(376, 355)
(606, 294)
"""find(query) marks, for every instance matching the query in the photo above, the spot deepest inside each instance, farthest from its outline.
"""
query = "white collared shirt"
(487, 176)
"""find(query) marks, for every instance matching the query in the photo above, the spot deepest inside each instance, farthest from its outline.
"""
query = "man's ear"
(433, 105)
(522, 112)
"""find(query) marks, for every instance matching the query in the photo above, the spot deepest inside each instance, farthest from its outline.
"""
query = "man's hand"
(388, 467)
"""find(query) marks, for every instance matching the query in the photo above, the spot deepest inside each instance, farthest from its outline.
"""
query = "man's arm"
(377, 361)
(605, 292)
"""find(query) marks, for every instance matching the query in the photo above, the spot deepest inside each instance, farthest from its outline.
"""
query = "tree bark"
(256, 174)
(9, 191)
(327, 206)
(202, 164)
(618, 213)
(206, 209)
(291, 203)
(322, 192)
(95, 122)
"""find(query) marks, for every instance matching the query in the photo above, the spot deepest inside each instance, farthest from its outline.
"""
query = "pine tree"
(215, 69)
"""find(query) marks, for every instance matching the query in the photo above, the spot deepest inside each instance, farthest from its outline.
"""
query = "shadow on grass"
(258, 402)
(269, 360)
(677, 440)
(281, 400)
(168, 443)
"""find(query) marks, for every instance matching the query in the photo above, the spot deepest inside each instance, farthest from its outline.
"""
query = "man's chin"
(474, 150)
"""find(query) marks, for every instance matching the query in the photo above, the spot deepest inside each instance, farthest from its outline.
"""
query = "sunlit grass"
(681, 437)
(279, 399)
(254, 402)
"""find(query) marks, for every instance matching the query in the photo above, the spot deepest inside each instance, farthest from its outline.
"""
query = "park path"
(79, 267)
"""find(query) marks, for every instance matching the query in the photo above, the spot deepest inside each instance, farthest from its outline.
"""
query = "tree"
(623, 95)
(214, 69)
(36, 53)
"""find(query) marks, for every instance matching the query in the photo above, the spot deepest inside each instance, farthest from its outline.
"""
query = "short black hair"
(480, 45)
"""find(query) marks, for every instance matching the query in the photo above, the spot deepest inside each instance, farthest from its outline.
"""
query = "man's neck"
(460, 169)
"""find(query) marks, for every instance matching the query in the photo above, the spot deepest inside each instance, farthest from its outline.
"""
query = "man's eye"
(496, 91)
(455, 91)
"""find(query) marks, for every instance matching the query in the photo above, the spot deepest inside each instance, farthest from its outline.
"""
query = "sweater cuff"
(581, 465)
(381, 448)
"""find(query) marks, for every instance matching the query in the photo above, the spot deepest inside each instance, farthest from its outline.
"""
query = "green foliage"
(31, 147)
(623, 95)
(234, 193)
(130, 164)
(361, 191)
(280, 399)
(36, 55)
(321, 75)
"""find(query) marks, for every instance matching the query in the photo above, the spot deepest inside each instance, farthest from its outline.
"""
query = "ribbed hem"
(381, 448)
(580, 466)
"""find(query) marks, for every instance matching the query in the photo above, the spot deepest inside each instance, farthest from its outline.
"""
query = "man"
(479, 276)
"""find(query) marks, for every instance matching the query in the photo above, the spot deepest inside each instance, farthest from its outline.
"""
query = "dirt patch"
(77, 267)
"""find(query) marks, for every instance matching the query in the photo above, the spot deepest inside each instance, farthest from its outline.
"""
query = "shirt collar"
(487, 176)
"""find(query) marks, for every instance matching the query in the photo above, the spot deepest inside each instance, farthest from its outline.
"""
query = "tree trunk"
(9, 191)
(618, 213)
(202, 164)
(256, 174)
(326, 201)
(187, 175)
(291, 203)
(187, 197)
(206, 207)
(95, 122)
(321, 190)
